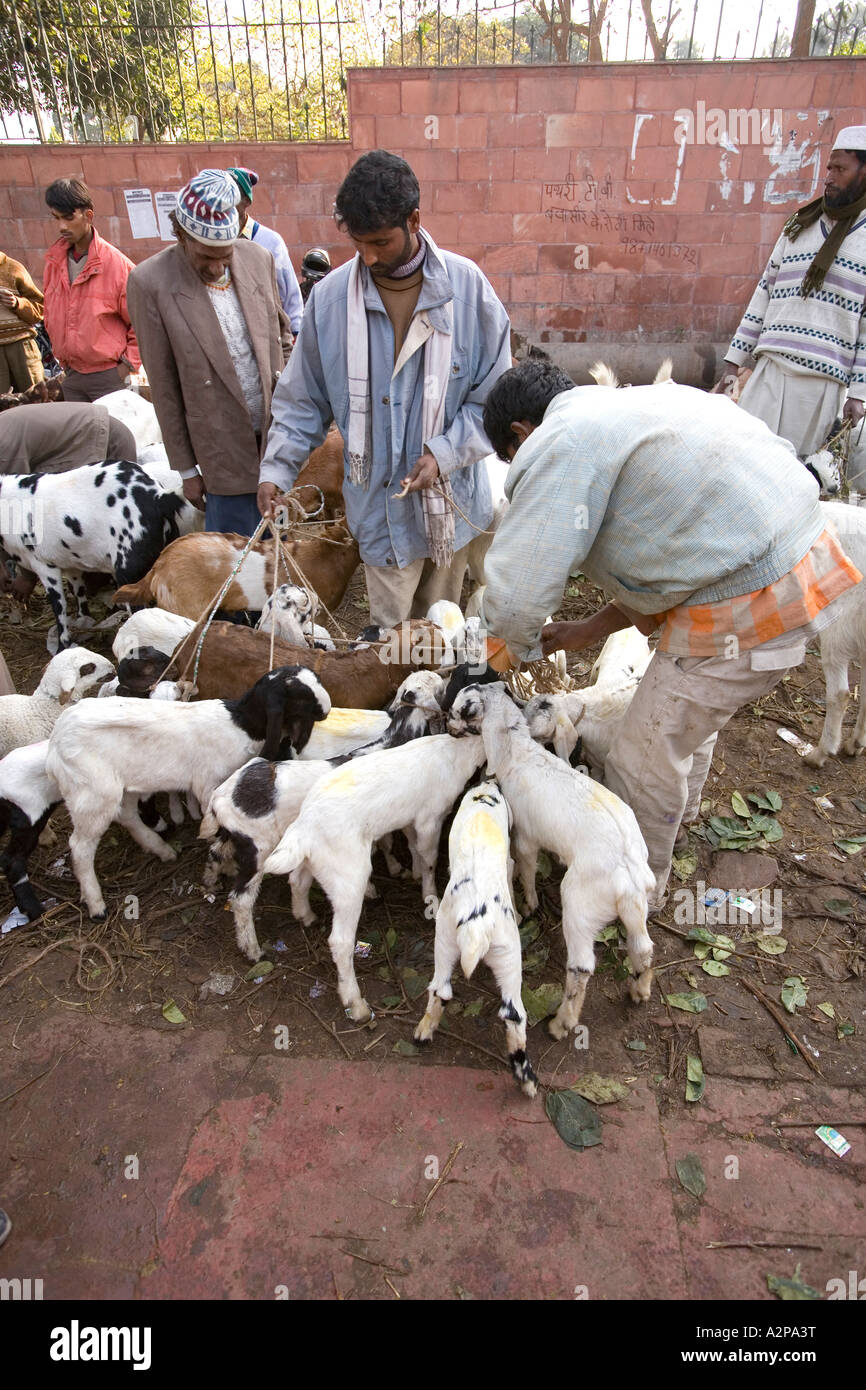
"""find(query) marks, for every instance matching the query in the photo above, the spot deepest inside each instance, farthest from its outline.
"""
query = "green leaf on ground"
(261, 967)
(766, 800)
(860, 805)
(608, 933)
(772, 945)
(391, 1001)
(691, 1175)
(791, 1289)
(739, 805)
(794, 993)
(544, 868)
(845, 1029)
(853, 845)
(684, 865)
(637, 1045)
(390, 938)
(702, 950)
(413, 983)
(702, 934)
(767, 826)
(404, 1048)
(577, 1123)
(728, 828)
(695, 1082)
(716, 968)
(693, 1003)
(534, 960)
(542, 1002)
(706, 807)
(474, 1009)
(171, 1013)
(827, 1008)
(843, 907)
(601, 1090)
(529, 931)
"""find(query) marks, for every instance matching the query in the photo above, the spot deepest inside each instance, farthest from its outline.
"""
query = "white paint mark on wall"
(668, 202)
(725, 187)
(748, 191)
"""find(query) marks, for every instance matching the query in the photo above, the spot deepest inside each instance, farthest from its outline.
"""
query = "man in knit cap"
(214, 340)
(806, 322)
(287, 281)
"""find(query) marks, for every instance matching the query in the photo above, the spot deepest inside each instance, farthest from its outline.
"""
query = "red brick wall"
(572, 188)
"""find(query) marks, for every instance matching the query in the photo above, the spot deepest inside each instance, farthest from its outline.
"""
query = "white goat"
(844, 641)
(594, 713)
(588, 828)
(473, 612)
(29, 718)
(151, 627)
(347, 811)
(27, 798)
(105, 754)
(290, 611)
(476, 921)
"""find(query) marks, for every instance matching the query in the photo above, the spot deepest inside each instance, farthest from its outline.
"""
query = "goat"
(29, 718)
(232, 657)
(151, 627)
(347, 733)
(591, 716)
(352, 807)
(589, 829)
(27, 798)
(289, 611)
(603, 375)
(189, 574)
(110, 518)
(104, 754)
(476, 921)
(323, 473)
(844, 641)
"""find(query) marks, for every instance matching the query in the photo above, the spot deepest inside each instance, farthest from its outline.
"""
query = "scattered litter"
(362, 949)
(216, 983)
(788, 736)
(60, 868)
(691, 1175)
(317, 990)
(577, 1123)
(800, 858)
(209, 898)
(15, 919)
(824, 803)
(280, 946)
(714, 897)
(833, 1139)
(743, 904)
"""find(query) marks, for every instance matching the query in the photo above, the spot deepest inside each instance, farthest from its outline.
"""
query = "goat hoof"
(557, 1029)
(851, 748)
(360, 1012)
(816, 758)
(640, 989)
(99, 916)
(423, 1033)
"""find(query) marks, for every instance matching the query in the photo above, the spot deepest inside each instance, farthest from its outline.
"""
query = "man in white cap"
(806, 322)
(214, 340)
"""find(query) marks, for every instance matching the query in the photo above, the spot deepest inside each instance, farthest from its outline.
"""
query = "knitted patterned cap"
(206, 208)
(246, 180)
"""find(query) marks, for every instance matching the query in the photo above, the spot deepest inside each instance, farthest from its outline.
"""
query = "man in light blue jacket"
(400, 347)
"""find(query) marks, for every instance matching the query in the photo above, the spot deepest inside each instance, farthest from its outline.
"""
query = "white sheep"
(476, 921)
(589, 829)
(105, 754)
(593, 714)
(411, 787)
(151, 627)
(29, 718)
(844, 641)
(27, 798)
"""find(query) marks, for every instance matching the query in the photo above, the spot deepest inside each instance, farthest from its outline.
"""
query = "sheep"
(347, 811)
(476, 921)
(189, 574)
(27, 798)
(591, 716)
(29, 718)
(104, 754)
(289, 611)
(844, 641)
(232, 657)
(589, 829)
(110, 518)
(151, 627)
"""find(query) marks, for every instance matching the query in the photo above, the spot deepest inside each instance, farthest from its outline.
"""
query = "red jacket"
(88, 321)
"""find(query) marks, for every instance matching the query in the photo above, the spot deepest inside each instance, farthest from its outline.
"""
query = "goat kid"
(589, 830)
(476, 921)
(844, 641)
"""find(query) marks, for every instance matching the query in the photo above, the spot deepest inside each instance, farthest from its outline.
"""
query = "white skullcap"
(853, 137)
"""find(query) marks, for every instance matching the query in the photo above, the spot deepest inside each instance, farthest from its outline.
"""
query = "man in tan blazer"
(214, 340)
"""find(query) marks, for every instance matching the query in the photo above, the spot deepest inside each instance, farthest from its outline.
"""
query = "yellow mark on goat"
(601, 799)
(485, 830)
(341, 721)
(340, 781)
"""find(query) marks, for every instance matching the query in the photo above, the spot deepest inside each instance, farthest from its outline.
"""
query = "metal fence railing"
(106, 71)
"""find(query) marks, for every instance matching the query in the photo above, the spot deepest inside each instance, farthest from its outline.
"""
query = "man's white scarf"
(437, 500)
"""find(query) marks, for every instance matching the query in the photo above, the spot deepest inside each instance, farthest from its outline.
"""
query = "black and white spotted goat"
(587, 827)
(476, 921)
(105, 754)
(107, 518)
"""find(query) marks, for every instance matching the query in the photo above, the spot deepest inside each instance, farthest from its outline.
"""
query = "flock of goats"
(301, 758)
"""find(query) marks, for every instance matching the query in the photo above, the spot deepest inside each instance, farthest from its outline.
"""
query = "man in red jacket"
(86, 316)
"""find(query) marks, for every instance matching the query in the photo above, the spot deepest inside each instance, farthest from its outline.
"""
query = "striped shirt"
(794, 604)
(823, 334)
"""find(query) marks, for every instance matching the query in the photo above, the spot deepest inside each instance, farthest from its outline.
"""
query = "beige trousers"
(397, 594)
(798, 407)
(659, 759)
(7, 685)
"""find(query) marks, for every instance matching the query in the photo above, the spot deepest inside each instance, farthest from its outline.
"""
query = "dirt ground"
(165, 943)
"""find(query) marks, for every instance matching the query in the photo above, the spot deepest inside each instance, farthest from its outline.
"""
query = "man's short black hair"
(379, 191)
(858, 154)
(523, 393)
(66, 196)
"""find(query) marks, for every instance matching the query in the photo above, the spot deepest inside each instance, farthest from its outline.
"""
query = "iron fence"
(108, 71)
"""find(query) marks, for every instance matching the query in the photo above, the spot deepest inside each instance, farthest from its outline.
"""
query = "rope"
(437, 487)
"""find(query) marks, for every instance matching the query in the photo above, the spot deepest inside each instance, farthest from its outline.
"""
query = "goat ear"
(67, 686)
(564, 737)
(274, 724)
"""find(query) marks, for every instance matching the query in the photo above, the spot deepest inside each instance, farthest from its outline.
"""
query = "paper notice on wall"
(139, 205)
(165, 203)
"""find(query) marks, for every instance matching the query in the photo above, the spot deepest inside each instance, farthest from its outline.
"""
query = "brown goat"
(189, 573)
(233, 658)
(324, 470)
